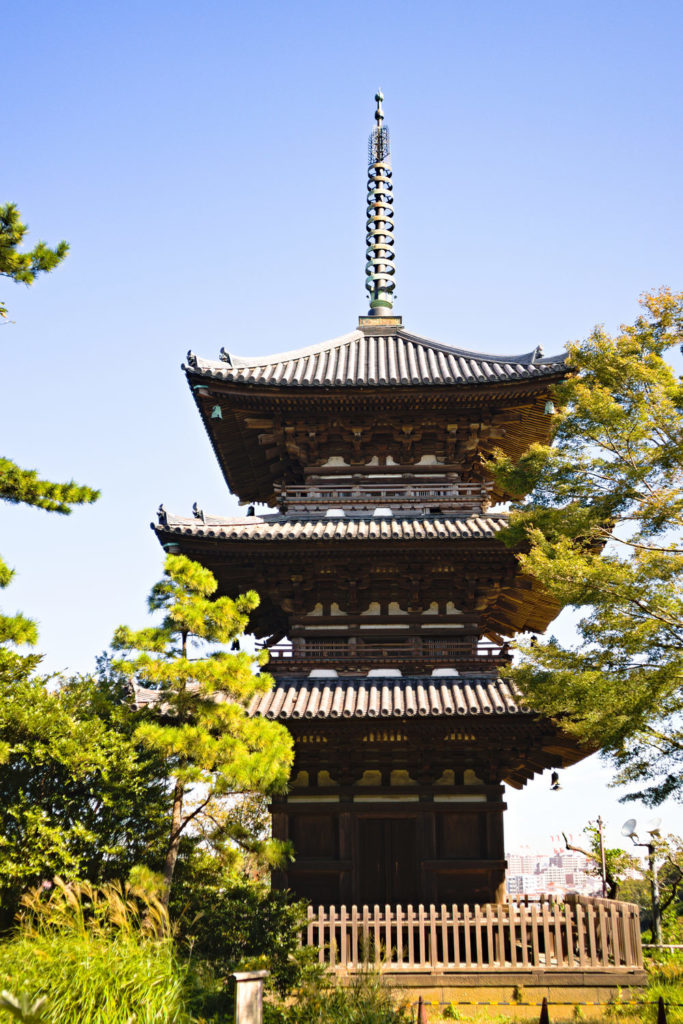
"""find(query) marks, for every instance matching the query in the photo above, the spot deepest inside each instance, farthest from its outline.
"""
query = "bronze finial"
(379, 113)
(379, 239)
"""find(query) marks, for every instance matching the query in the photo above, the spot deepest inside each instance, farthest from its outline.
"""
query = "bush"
(241, 925)
(366, 1000)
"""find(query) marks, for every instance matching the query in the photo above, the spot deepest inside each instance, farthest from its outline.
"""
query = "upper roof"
(385, 358)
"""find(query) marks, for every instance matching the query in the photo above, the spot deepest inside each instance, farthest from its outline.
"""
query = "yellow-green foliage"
(204, 727)
(602, 530)
(200, 724)
(98, 955)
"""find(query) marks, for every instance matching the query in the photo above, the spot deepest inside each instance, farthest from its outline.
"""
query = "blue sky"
(207, 163)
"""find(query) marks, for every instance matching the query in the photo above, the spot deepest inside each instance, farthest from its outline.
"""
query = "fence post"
(661, 1011)
(249, 996)
(544, 1018)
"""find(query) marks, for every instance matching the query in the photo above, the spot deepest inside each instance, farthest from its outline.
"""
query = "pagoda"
(387, 598)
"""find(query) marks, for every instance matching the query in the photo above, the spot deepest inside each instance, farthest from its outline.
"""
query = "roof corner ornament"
(162, 516)
(198, 513)
(225, 356)
(191, 358)
(379, 269)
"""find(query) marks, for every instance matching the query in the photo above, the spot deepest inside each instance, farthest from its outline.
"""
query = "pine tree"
(200, 723)
(23, 267)
(604, 533)
(24, 486)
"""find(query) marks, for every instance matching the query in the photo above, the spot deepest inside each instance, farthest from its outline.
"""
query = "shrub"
(366, 1000)
(241, 925)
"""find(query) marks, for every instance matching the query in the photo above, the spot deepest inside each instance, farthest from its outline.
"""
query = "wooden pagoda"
(387, 596)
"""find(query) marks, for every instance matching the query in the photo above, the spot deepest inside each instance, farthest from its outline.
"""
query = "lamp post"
(629, 829)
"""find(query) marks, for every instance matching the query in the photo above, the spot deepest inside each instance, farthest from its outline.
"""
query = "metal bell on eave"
(216, 413)
(549, 408)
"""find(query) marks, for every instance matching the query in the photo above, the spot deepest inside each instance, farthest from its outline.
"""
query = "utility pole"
(629, 829)
(603, 868)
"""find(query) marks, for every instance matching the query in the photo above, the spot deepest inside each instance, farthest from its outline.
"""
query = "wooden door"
(388, 868)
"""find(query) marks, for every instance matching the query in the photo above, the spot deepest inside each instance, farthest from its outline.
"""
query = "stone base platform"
(515, 995)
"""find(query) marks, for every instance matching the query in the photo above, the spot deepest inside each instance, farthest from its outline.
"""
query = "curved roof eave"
(386, 358)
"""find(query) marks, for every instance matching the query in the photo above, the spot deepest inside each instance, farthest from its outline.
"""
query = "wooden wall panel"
(315, 835)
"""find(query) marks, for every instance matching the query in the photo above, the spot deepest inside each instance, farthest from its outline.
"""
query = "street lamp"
(652, 828)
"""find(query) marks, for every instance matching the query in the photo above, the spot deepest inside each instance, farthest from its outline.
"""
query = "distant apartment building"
(522, 863)
(519, 885)
(561, 872)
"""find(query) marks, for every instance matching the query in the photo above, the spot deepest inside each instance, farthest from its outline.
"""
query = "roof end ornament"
(379, 268)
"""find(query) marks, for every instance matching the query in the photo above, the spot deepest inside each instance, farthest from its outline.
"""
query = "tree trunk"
(174, 841)
(612, 882)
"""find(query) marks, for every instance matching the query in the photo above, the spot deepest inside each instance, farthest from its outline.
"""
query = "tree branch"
(190, 817)
(674, 886)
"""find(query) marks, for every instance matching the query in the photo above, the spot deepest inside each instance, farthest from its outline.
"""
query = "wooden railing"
(453, 496)
(575, 933)
(312, 653)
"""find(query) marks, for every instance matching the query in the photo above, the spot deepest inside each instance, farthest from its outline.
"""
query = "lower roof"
(405, 697)
(390, 697)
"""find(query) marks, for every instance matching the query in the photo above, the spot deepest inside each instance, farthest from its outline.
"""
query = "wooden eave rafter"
(519, 746)
(248, 413)
(289, 574)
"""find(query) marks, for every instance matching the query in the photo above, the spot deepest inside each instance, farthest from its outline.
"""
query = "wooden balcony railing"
(452, 496)
(303, 655)
(574, 933)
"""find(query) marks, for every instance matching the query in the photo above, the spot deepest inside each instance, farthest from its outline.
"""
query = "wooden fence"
(573, 933)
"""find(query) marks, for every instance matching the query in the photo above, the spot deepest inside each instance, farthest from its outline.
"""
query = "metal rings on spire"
(379, 268)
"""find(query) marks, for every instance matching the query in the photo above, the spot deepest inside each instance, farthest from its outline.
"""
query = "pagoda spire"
(379, 269)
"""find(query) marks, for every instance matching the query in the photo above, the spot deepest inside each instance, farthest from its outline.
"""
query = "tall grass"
(98, 956)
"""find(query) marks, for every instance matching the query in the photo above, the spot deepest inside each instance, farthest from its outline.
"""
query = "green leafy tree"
(638, 888)
(78, 796)
(603, 532)
(23, 267)
(201, 726)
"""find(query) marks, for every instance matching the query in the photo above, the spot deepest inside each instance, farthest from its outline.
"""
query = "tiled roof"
(360, 697)
(360, 359)
(277, 527)
(391, 697)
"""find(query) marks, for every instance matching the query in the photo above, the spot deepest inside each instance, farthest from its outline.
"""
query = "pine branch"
(24, 487)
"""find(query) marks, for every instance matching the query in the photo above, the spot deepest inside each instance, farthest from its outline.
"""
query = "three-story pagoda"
(386, 596)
